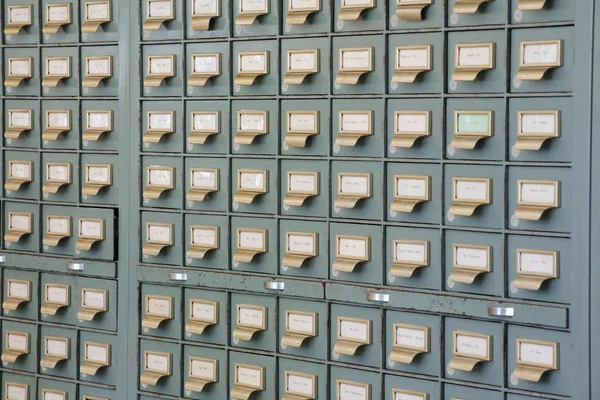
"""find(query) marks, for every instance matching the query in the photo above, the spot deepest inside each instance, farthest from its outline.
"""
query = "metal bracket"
(270, 285)
(178, 276)
(378, 297)
(501, 311)
(75, 266)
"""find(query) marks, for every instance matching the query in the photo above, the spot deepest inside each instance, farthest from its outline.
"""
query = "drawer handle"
(275, 285)
(178, 276)
(378, 297)
(75, 266)
(501, 311)
(2, 258)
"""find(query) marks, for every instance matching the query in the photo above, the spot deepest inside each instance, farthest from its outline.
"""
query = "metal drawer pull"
(177, 276)
(501, 311)
(2, 259)
(75, 266)
(275, 285)
(379, 297)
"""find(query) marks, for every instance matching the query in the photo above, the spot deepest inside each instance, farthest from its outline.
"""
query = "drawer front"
(206, 316)
(21, 294)
(303, 249)
(162, 372)
(396, 386)
(469, 393)
(252, 322)
(355, 336)
(161, 311)
(539, 351)
(477, 352)
(19, 346)
(204, 366)
(262, 376)
(302, 328)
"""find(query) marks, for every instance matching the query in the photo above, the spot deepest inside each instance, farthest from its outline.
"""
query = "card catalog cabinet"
(299, 199)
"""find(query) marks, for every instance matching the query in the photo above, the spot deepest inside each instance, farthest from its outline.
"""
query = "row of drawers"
(408, 128)
(60, 22)
(82, 232)
(540, 60)
(65, 353)
(63, 124)
(23, 387)
(536, 268)
(209, 374)
(60, 299)
(412, 128)
(471, 197)
(264, 17)
(85, 178)
(61, 71)
(423, 344)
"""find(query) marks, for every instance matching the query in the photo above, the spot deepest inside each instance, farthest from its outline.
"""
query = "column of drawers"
(59, 151)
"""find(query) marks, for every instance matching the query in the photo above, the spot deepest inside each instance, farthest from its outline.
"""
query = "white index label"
(536, 262)
(203, 237)
(205, 122)
(58, 173)
(96, 353)
(476, 346)
(412, 338)
(58, 225)
(538, 123)
(410, 187)
(160, 177)
(408, 58)
(301, 183)
(97, 11)
(58, 120)
(53, 396)
(249, 180)
(160, 9)
(248, 376)
(93, 299)
(303, 4)
(91, 229)
(204, 179)
(160, 121)
(354, 185)
(471, 257)
(301, 61)
(299, 384)
(300, 322)
(203, 311)
(409, 123)
(58, 66)
(159, 233)
(98, 174)
(20, 119)
(354, 330)
(252, 62)
(99, 66)
(356, 59)
(99, 120)
(57, 294)
(58, 13)
(301, 243)
(19, 15)
(352, 392)
(355, 122)
(206, 64)
(161, 65)
(251, 317)
(18, 290)
(473, 56)
(301, 122)
(19, 67)
(253, 5)
(159, 306)
(205, 7)
(16, 342)
(21, 171)
(537, 193)
(14, 392)
(536, 353)
(471, 190)
(409, 252)
(252, 122)
(355, 248)
(540, 54)
(19, 222)
(203, 369)
(56, 347)
(157, 362)
(251, 240)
